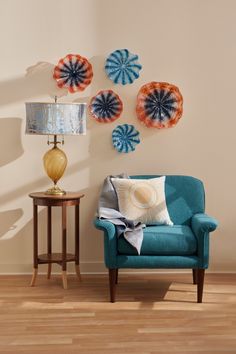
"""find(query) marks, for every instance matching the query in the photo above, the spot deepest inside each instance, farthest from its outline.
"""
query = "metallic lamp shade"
(55, 118)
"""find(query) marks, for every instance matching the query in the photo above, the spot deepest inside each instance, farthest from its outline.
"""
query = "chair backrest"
(185, 197)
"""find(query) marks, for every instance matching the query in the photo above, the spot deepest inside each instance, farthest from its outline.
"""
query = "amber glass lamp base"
(55, 162)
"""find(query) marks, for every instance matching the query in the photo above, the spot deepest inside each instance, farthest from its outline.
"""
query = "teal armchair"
(184, 245)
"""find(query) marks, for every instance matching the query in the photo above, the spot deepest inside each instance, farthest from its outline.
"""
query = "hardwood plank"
(154, 313)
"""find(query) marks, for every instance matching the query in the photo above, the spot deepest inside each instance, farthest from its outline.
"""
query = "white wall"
(190, 43)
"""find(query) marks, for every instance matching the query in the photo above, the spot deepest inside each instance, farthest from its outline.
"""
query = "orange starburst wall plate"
(73, 72)
(159, 105)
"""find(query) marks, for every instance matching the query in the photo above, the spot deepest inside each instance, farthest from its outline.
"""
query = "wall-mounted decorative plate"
(159, 105)
(106, 106)
(122, 67)
(125, 138)
(73, 72)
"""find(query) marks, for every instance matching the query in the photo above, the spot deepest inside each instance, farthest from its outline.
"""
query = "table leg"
(64, 276)
(77, 268)
(49, 234)
(35, 271)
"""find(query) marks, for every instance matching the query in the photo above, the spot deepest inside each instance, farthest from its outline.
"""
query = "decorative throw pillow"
(143, 200)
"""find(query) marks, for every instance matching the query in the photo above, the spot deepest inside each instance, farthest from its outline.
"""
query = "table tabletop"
(67, 196)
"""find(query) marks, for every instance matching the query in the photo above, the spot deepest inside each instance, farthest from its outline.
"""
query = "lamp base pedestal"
(55, 190)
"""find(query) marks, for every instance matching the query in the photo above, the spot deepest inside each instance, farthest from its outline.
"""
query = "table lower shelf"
(54, 258)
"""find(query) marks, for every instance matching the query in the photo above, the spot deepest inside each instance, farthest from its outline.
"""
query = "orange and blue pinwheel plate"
(159, 105)
(106, 106)
(73, 72)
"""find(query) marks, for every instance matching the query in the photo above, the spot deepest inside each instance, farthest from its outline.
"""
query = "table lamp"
(55, 119)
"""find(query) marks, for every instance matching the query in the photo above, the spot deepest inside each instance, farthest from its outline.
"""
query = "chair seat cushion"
(174, 240)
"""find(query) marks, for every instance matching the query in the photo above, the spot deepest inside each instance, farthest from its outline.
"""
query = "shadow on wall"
(38, 184)
(8, 219)
(101, 80)
(20, 248)
(10, 140)
(37, 81)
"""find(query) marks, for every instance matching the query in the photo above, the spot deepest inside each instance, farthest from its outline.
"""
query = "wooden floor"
(153, 314)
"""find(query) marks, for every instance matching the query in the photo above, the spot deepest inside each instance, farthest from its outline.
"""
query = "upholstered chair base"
(198, 278)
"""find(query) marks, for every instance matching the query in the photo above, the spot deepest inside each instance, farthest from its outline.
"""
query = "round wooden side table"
(49, 201)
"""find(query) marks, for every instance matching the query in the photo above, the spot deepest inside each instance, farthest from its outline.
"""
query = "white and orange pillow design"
(143, 200)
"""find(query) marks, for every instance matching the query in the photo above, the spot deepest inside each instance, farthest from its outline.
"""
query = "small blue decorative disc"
(125, 138)
(122, 67)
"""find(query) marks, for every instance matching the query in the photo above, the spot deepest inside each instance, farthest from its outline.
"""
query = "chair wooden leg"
(194, 276)
(112, 283)
(200, 283)
(117, 270)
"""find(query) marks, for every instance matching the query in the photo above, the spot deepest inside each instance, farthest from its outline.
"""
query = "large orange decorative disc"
(73, 72)
(159, 105)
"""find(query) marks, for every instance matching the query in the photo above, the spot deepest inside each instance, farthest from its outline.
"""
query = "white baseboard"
(99, 268)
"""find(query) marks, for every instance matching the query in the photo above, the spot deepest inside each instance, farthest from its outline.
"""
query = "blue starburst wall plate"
(122, 67)
(106, 106)
(125, 138)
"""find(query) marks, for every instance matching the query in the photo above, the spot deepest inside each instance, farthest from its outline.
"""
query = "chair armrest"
(110, 241)
(105, 226)
(202, 223)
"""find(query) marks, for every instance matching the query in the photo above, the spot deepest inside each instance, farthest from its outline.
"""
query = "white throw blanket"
(108, 209)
